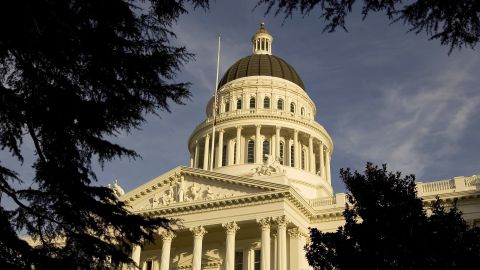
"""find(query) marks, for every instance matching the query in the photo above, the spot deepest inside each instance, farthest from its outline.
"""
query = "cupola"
(262, 41)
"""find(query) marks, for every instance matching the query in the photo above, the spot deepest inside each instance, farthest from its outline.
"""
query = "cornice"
(179, 209)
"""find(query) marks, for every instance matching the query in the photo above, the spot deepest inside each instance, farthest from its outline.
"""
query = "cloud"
(413, 124)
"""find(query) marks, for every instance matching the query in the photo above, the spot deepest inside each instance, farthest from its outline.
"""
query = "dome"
(261, 65)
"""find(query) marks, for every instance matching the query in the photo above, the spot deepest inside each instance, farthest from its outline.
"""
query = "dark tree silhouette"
(74, 74)
(454, 23)
(386, 227)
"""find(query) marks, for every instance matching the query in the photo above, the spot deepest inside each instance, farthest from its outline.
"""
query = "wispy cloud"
(414, 123)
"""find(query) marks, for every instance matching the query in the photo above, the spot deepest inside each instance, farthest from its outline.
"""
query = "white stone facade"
(270, 182)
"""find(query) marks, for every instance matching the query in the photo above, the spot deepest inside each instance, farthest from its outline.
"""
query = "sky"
(384, 95)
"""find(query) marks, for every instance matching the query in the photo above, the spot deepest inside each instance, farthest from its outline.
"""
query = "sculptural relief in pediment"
(181, 189)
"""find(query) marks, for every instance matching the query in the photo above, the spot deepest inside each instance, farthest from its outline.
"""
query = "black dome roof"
(261, 65)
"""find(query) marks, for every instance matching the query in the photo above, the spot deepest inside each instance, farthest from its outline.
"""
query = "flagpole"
(215, 107)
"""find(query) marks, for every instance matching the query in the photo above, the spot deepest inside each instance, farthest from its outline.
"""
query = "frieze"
(179, 190)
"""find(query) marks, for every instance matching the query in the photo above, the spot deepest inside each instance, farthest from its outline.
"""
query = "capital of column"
(258, 126)
(296, 233)
(207, 136)
(282, 221)
(264, 223)
(278, 128)
(198, 231)
(230, 227)
(221, 130)
(167, 235)
(239, 127)
(295, 131)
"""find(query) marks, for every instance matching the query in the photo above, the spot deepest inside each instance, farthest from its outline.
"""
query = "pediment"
(184, 185)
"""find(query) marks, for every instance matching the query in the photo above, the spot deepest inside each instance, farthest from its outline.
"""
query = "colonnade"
(297, 241)
(315, 159)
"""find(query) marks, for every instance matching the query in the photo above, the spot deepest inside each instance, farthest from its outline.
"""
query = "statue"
(209, 194)
(155, 200)
(116, 188)
(195, 190)
(181, 189)
(270, 166)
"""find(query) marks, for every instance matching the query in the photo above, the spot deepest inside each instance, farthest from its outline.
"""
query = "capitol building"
(247, 202)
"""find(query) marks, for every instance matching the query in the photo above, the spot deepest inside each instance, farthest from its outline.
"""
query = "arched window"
(303, 159)
(302, 111)
(280, 104)
(239, 104)
(251, 152)
(266, 149)
(227, 106)
(252, 102)
(292, 107)
(266, 103)
(292, 155)
(282, 150)
(224, 155)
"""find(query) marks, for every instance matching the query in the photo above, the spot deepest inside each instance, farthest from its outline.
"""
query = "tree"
(73, 75)
(386, 227)
(454, 23)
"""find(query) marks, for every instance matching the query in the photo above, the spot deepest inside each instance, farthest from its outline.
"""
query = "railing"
(436, 186)
(338, 200)
(323, 202)
(457, 184)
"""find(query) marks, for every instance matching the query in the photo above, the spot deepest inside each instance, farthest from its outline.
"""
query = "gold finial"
(262, 25)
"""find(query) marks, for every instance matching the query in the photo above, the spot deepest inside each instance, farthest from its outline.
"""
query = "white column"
(167, 238)
(275, 251)
(277, 143)
(296, 149)
(205, 152)
(322, 161)
(296, 250)
(265, 246)
(198, 233)
(258, 145)
(220, 148)
(327, 156)
(310, 155)
(195, 159)
(230, 228)
(239, 137)
(282, 243)
(136, 250)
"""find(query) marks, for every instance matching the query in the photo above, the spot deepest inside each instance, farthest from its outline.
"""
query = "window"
(303, 159)
(280, 104)
(227, 106)
(251, 152)
(239, 104)
(302, 111)
(252, 103)
(266, 149)
(224, 155)
(148, 265)
(238, 260)
(257, 260)
(266, 103)
(235, 153)
(281, 152)
(292, 155)
(292, 107)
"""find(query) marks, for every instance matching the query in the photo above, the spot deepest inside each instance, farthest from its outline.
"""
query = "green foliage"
(454, 23)
(386, 227)
(74, 74)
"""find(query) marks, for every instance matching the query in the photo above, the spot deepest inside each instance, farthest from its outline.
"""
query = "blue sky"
(384, 95)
